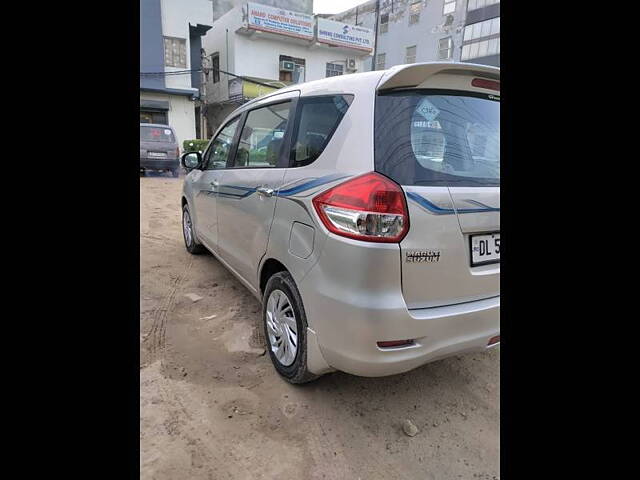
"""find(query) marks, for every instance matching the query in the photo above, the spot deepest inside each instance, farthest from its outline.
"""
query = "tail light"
(369, 207)
(178, 152)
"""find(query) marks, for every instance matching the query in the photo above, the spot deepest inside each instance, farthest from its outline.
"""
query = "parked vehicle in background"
(159, 149)
(363, 211)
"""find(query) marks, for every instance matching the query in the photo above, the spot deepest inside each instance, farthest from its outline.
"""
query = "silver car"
(363, 211)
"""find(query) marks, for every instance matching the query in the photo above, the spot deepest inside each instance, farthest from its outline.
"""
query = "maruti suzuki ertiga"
(363, 211)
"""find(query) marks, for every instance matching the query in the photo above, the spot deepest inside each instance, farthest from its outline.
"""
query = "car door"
(206, 182)
(247, 196)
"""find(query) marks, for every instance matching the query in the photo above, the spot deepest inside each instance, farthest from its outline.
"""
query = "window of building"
(481, 39)
(175, 52)
(449, 7)
(294, 75)
(215, 67)
(261, 138)
(475, 4)
(414, 11)
(334, 69)
(380, 61)
(482, 48)
(482, 29)
(445, 48)
(384, 23)
(411, 55)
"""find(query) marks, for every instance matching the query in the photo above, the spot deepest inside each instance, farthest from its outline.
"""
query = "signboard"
(241, 90)
(344, 35)
(276, 20)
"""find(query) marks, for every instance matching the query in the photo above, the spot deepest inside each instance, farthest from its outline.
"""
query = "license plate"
(158, 154)
(485, 249)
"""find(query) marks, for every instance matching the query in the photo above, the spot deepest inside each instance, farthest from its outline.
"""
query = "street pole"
(375, 37)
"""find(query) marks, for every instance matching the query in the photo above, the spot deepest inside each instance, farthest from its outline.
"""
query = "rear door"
(442, 147)
(247, 195)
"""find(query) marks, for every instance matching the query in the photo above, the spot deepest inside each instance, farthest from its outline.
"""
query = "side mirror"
(191, 160)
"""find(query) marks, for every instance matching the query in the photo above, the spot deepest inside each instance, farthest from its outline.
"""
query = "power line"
(188, 72)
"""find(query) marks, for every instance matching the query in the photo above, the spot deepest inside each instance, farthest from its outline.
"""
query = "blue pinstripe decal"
(310, 184)
(282, 193)
(423, 202)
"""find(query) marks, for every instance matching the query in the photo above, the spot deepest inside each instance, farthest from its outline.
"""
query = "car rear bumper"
(436, 333)
(352, 310)
(159, 164)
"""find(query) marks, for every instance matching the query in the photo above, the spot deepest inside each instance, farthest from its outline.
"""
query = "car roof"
(399, 76)
(394, 77)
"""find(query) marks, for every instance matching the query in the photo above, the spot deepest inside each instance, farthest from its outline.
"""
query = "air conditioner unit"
(351, 64)
(286, 66)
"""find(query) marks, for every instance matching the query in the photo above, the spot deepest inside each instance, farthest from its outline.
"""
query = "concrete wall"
(176, 16)
(151, 44)
(264, 55)
(425, 34)
(259, 55)
(220, 7)
(181, 114)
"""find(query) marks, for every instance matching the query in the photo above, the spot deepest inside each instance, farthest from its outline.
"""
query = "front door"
(206, 182)
(248, 193)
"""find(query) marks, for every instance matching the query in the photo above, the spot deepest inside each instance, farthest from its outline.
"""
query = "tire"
(295, 372)
(175, 172)
(192, 245)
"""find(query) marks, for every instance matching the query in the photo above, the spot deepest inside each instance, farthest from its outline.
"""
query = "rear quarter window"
(156, 134)
(438, 138)
(317, 119)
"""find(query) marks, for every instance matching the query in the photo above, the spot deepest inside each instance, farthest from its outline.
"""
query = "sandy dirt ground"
(213, 407)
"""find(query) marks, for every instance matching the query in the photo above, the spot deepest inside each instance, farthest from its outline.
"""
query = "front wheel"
(175, 172)
(285, 328)
(188, 234)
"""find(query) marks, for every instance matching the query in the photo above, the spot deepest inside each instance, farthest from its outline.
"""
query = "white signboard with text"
(276, 20)
(344, 35)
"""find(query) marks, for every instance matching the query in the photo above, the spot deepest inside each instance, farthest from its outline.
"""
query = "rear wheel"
(285, 328)
(190, 241)
(175, 172)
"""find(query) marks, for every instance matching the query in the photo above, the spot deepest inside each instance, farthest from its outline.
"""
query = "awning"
(157, 105)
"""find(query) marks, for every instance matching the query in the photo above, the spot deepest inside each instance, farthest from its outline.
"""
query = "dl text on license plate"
(158, 154)
(485, 248)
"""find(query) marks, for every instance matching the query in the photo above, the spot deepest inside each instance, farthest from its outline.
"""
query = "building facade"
(170, 46)
(273, 47)
(220, 7)
(481, 37)
(410, 31)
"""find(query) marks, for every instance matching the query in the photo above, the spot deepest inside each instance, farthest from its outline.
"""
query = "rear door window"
(317, 119)
(262, 137)
(438, 138)
(156, 134)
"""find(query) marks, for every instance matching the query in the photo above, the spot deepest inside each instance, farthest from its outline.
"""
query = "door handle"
(214, 184)
(265, 191)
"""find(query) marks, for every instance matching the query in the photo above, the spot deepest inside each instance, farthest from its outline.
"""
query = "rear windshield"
(156, 134)
(438, 138)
